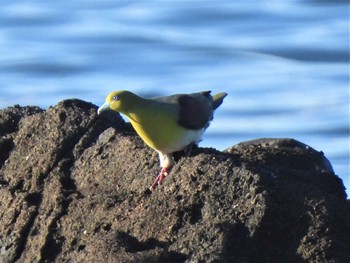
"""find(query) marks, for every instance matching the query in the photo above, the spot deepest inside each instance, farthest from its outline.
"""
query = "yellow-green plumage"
(156, 124)
(157, 130)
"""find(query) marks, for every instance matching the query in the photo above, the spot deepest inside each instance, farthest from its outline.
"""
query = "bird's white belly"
(165, 154)
(190, 136)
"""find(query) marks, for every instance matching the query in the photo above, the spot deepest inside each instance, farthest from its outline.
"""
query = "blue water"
(285, 64)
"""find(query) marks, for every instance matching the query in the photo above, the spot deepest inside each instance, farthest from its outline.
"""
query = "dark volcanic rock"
(73, 189)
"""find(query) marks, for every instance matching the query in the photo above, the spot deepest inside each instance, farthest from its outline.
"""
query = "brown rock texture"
(73, 189)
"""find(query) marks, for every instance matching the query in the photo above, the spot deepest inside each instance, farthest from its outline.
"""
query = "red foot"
(160, 178)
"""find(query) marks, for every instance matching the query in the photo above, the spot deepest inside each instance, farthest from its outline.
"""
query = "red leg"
(160, 178)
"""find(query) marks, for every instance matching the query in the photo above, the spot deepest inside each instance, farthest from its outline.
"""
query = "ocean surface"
(284, 64)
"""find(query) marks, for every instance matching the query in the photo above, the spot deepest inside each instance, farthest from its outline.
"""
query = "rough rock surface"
(73, 189)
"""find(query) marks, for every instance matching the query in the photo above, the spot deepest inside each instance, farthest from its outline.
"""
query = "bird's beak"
(104, 107)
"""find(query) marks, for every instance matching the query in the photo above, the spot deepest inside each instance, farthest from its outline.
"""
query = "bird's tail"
(218, 99)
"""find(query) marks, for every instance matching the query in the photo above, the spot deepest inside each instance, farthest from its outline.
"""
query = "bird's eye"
(115, 98)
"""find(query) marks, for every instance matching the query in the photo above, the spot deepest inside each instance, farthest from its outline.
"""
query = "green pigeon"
(166, 124)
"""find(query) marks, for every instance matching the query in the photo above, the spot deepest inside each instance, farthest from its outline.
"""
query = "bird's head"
(120, 101)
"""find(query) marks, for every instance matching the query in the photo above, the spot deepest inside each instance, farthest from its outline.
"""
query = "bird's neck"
(142, 118)
(139, 111)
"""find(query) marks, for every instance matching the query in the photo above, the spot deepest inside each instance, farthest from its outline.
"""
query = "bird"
(167, 124)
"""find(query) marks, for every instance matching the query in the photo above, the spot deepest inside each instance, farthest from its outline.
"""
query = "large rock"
(73, 189)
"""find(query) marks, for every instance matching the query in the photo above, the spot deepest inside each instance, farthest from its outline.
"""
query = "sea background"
(284, 64)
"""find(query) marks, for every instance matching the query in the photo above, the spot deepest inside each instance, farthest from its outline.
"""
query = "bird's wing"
(195, 111)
